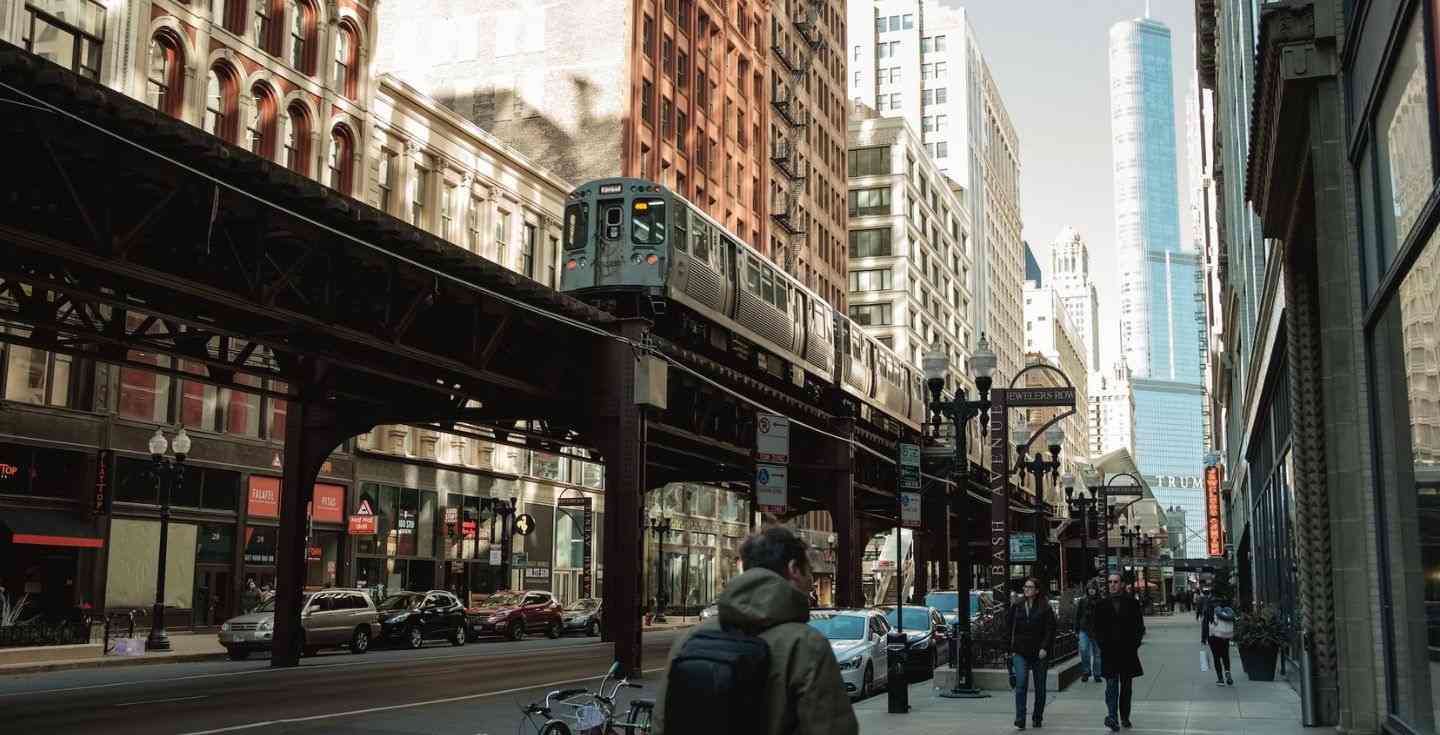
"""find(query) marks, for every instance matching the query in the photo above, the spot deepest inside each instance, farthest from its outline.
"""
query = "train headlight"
(652, 259)
(635, 259)
(570, 264)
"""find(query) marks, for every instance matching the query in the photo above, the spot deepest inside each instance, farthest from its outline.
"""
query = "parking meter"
(897, 650)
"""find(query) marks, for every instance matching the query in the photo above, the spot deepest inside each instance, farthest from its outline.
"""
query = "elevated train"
(635, 247)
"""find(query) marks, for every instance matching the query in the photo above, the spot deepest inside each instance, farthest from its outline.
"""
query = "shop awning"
(48, 528)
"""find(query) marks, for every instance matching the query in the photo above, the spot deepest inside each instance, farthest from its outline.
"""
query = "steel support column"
(619, 434)
(850, 542)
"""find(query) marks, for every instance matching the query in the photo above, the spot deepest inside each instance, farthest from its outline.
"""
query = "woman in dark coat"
(1119, 627)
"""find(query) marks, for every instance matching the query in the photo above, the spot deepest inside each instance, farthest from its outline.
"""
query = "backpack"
(717, 684)
(1224, 625)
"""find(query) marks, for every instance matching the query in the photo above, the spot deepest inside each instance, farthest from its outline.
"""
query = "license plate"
(239, 637)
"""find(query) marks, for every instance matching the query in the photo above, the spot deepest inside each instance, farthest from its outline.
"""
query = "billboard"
(1214, 535)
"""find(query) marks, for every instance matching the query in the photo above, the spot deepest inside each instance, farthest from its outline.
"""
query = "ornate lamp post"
(168, 471)
(660, 527)
(1039, 468)
(1081, 503)
(959, 410)
(1130, 536)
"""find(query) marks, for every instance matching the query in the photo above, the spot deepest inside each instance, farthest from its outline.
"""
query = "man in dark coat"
(1119, 627)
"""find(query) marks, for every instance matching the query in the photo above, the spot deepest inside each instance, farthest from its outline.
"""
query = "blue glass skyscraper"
(1161, 298)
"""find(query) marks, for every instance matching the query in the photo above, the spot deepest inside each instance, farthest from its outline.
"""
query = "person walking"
(800, 691)
(1120, 628)
(1200, 602)
(1032, 638)
(250, 598)
(1085, 627)
(1217, 627)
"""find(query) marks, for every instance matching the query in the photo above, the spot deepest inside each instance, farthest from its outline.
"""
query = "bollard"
(897, 648)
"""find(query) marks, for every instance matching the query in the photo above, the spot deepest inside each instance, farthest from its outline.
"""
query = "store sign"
(772, 438)
(1215, 537)
(362, 521)
(328, 505)
(316, 554)
(100, 498)
(264, 498)
(537, 573)
(405, 524)
(771, 488)
(452, 516)
(1022, 547)
(260, 545)
(495, 560)
(910, 510)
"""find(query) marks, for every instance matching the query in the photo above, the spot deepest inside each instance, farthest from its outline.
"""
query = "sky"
(1050, 59)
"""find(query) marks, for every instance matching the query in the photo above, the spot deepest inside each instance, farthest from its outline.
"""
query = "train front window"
(647, 222)
(577, 218)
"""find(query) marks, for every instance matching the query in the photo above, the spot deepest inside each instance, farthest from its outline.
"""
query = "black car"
(929, 638)
(411, 618)
(584, 615)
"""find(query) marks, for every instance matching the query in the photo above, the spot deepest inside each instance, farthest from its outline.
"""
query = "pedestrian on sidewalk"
(1217, 627)
(1085, 626)
(1120, 628)
(250, 598)
(1032, 638)
(718, 679)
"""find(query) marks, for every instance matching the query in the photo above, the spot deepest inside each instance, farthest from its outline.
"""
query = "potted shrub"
(1259, 634)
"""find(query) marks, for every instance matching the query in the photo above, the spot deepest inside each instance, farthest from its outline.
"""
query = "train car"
(636, 248)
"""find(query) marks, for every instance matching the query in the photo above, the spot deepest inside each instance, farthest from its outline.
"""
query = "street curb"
(42, 667)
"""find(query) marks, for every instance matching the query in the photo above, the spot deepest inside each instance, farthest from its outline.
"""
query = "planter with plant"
(1259, 634)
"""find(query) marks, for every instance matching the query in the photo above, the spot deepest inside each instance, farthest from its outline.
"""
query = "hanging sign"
(771, 488)
(772, 438)
(1214, 536)
(524, 524)
(910, 510)
(100, 499)
(362, 521)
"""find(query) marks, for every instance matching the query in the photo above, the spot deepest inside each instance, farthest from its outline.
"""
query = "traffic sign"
(771, 488)
(524, 524)
(909, 467)
(910, 510)
(772, 438)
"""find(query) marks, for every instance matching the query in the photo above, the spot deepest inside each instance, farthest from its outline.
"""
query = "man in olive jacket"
(805, 693)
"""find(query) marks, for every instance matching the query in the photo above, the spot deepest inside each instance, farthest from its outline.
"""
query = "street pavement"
(1173, 698)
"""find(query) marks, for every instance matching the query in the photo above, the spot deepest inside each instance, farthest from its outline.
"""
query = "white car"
(858, 639)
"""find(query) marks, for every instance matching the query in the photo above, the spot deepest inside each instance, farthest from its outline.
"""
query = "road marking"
(407, 661)
(393, 707)
(159, 701)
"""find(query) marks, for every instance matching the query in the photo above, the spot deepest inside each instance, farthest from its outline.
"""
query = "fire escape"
(792, 119)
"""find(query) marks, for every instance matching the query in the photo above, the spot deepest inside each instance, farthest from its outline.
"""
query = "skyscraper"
(919, 60)
(1161, 297)
(1070, 277)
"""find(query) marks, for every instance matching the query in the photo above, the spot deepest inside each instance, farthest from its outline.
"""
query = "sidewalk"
(1174, 697)
(185, 647)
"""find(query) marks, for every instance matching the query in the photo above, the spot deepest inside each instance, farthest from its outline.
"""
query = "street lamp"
(959, 410)
(1081, 503)
(167, 471)
(660, 527)
(1130, 536)
(1039, 468)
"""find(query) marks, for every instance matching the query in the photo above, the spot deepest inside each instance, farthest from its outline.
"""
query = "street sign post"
(772, 438)
(909, 467)
(910, 510)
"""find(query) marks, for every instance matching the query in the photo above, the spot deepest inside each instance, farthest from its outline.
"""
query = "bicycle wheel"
(639, 717)
(555, 727)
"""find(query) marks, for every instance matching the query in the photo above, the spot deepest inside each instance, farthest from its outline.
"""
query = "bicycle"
(595, 715)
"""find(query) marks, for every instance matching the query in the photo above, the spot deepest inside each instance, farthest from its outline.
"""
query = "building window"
(165, 76)
(908, 21)
(261, 127)
(895, 101)
(342, 151)
(420, 188)
(647, 38)
(221, 100)
(702, 90)
(682, 71)
(927, 71)
(872, 280)
(472, 225)
(667, 56)
(71, 39)
(302, 36)
(35, 376)
(667, 117)
(647, 102)
(871, 315)
(447, 212)
(939, 43)
(682, 130)
(867, 202)
(869, 161)
(502, 235)
(683, 14)
(345, 61)
(880, 25)
(940, 70)
(264, 28)
(870, 243)
(297, 139)
(386, 176)
(527, 250)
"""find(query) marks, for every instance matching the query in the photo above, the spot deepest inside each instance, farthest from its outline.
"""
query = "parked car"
(513, 614)
(858, 639)
(709, 612)
(332, 618)
(411, 618)
(929, 638)
(583, 614)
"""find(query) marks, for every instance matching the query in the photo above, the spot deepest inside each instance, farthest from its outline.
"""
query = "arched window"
(346, 61)
(342, 150)
(297, 139)
(261, 126)
(165, 76)
(221, 101)
(303, 46)
(269, 21)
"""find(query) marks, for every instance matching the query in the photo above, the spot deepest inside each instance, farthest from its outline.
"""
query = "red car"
(513, 614)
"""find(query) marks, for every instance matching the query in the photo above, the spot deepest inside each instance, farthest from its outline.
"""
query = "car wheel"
(360, 642)
(238, 654)
(517, 630)
(867, 683)
(414, 637)
(593, 629)
(553, 631)
(458, 637)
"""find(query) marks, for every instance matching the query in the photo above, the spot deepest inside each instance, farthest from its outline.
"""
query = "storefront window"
(260, 545)
(547, 466)
(216, 544)
(1402, 129)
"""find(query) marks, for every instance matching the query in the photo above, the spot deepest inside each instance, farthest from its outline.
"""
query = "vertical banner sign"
(771, 490)
(1213, 532)
(100, 501)
(910, 510)
(999, 488)
(772, 438)
(586, 504)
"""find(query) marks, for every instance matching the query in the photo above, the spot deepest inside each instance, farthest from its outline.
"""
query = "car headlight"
(397, 618)
(497, 618)
(851, 663)
(265, 625)
(225, 627)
